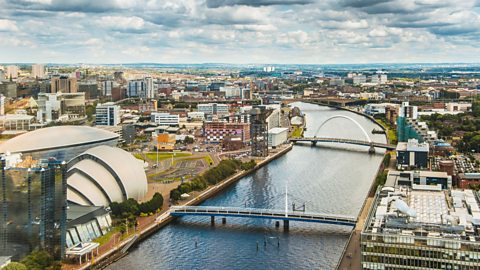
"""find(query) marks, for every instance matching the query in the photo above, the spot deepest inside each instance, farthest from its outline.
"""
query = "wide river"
(328, 178)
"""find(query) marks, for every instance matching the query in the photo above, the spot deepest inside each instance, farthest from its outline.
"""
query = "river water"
(327, 179)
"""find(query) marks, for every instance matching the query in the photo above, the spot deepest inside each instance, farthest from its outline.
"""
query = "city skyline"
(240, 31)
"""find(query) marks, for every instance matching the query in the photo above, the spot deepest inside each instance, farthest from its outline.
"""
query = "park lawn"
(391, 132)
(105, 238)
(162, 155)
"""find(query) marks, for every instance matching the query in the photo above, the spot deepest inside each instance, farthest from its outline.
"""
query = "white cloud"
(8, 25)
(121, 23)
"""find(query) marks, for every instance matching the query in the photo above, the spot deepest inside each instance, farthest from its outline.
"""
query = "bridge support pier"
(277, 224)
(314, 143)
(212, 220)
(371, 150)
(286, 225)
(224, 220)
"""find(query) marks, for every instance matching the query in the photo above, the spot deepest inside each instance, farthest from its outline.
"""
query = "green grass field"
(161, 155)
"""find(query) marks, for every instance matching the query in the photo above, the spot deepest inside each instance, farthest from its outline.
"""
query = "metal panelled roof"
(113, 169)
(56, 137)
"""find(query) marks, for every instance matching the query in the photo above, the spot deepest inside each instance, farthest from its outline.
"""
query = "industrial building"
(99, 176)
(412, 154)
(59, 142)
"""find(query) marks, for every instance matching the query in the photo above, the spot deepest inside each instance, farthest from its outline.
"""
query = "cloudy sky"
(239, 31)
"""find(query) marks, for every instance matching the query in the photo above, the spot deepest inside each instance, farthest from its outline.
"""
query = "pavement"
(352, 255)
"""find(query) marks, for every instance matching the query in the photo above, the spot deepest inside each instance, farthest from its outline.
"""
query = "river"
(327, 179)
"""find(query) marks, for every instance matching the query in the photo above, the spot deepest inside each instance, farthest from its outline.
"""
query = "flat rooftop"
(400, 211)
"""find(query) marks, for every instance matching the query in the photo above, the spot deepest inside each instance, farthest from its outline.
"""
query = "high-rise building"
(107, 87)
(33, 215)
(107, 114)
(142, 88)
(12, 72)
(149, 88)
(2, 75)
(38, 71)
(63, 84)
(136, 88)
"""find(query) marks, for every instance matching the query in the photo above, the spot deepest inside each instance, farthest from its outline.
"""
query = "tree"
(39, 260)
(15, 266)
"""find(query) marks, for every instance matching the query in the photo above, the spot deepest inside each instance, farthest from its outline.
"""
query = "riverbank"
(351, 255)
(119, 250)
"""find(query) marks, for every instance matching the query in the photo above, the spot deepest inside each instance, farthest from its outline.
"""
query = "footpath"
(115, 249)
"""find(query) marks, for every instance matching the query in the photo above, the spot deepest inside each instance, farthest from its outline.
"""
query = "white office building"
(38, 71)
(107, 114)
(277, 136)
(213, 108)
(165, 119)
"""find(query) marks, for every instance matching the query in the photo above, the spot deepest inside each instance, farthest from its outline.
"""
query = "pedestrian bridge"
(367, 142)
(179, 211)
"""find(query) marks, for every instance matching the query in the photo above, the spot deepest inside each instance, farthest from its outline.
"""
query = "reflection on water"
(327, 179)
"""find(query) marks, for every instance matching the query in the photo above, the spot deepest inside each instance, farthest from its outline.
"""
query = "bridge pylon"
(371, 150)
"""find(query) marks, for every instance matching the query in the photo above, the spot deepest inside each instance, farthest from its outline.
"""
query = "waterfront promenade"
(111, 251)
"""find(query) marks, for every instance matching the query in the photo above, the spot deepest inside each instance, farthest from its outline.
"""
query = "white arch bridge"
(367, 142)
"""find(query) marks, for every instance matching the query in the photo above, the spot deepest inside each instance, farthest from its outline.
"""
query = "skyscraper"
(38, 71)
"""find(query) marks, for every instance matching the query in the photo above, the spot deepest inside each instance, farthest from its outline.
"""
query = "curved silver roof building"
(104, 174)
(60, 142)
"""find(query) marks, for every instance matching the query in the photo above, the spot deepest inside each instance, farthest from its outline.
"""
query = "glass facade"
(33, 210)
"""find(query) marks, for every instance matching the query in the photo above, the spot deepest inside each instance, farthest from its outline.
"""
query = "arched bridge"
(367, 142)
(179, 211)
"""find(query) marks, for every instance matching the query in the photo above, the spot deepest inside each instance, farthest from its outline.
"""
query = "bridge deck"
(262, 213)
(347, 141)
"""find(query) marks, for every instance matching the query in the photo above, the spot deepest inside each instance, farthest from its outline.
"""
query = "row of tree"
(225, 169)
(37, 260)
(131, 207)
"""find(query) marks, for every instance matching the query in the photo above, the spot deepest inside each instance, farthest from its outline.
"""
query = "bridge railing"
(258, 211)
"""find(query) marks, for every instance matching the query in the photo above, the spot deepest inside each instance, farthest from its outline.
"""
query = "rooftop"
(440, 214)
(55, 137)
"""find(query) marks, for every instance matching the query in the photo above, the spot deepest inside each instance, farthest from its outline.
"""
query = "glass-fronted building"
(33, 209)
